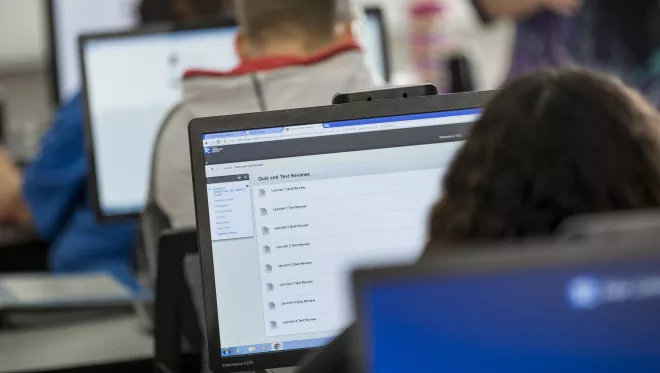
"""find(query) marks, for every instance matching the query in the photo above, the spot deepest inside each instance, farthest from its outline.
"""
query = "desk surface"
(91, 341)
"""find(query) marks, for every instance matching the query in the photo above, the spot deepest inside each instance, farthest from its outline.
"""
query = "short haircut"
(551, 145)
(260, 19)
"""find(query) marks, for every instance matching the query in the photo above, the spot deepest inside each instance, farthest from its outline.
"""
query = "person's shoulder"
(71, 113)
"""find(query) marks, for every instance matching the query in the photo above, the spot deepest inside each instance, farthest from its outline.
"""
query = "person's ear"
(241, 46)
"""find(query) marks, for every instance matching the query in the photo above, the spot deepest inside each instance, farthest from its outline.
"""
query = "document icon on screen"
(265, 231)
(270, 287)
(269, 268)
(273, 324)
(271, 306)
(266, 249)
(262, 193)
(264, 212)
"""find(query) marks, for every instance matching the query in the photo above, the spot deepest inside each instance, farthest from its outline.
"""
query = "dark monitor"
(536, 308)
(289, 202)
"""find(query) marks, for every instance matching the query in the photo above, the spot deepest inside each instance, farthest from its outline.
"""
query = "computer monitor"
(68, 19)
(289, 204)
(131, 81)
(374, 37)
(535, 308)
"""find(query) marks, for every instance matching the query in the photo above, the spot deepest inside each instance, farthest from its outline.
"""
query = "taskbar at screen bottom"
(264, 348)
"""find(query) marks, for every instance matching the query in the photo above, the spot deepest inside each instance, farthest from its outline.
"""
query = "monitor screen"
(72, 18)
(372, 37)
(293, 210)
(604, 317)
(132, 84)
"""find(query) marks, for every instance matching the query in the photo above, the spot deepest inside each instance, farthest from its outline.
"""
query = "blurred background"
(25, 83)
(80, 207)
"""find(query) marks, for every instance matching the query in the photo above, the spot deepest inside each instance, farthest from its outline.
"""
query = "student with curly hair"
(551, 145)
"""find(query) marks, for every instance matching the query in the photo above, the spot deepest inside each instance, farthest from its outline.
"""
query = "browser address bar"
(316, 130)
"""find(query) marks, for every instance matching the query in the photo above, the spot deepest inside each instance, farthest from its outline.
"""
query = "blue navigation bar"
(357, 122)
(401, 118)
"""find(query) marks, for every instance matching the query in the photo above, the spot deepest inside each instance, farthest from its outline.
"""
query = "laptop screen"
(133, 81)
(293, 210)
(602, 317)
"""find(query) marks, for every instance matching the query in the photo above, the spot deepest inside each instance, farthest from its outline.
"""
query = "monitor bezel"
(156, 29)
(202, 126)
(376, 11)
(53, 62)
(452, 261)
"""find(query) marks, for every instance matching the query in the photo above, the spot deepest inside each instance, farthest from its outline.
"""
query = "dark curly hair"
(551, 145)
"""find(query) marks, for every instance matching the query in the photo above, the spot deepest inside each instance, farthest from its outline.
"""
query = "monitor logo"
(585, 293)
(207, 150)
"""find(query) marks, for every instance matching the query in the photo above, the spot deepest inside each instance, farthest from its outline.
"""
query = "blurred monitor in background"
(133, 79)
(69, 19)
(49, 199)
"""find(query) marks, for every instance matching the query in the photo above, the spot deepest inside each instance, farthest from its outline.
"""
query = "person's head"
(551, 145)
(291, 27)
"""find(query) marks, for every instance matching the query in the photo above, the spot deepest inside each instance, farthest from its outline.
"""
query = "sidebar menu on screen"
(230, 207)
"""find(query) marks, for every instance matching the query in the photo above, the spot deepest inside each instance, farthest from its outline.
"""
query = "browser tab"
(303, 128)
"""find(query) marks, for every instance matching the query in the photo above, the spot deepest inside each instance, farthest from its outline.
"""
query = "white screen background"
(132, 85)
(76, 17)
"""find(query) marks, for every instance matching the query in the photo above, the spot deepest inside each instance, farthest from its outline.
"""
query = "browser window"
(294, 210)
